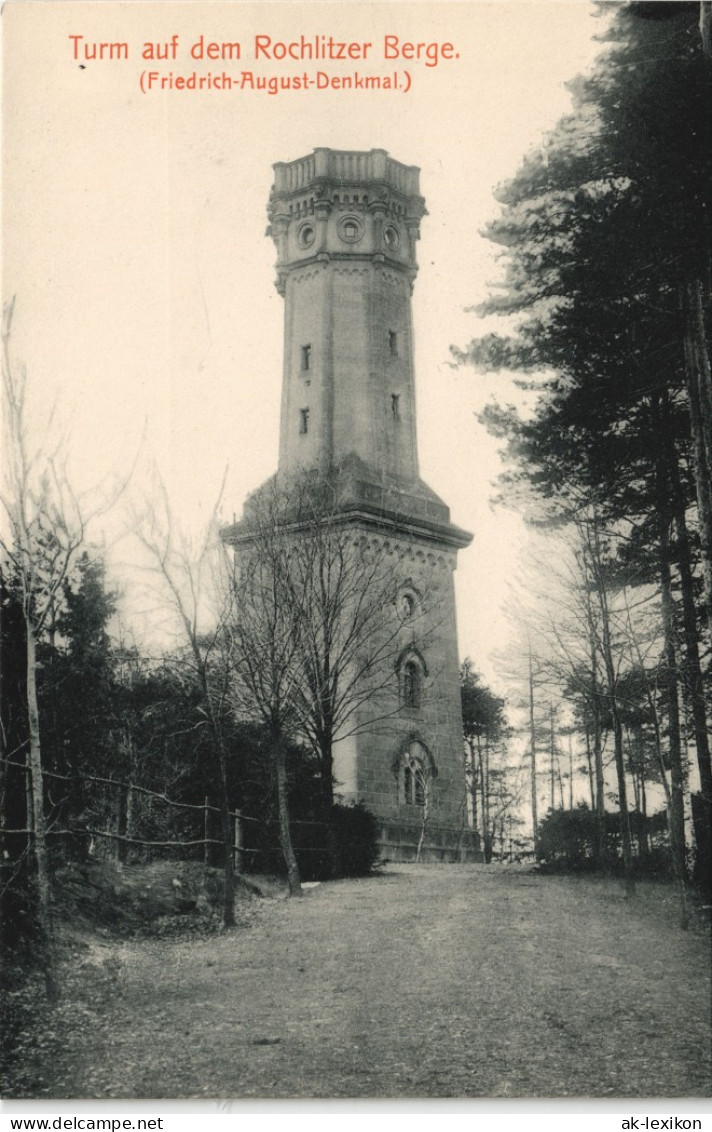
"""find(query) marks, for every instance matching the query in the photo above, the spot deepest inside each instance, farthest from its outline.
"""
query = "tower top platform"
(338, 168)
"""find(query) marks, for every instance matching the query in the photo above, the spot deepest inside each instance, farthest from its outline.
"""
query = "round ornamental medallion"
(350, 229)
(406, 605)
(305, 235)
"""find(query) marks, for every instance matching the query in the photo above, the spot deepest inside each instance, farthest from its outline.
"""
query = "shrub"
(354, 832)
(346, 847)
(568, 842)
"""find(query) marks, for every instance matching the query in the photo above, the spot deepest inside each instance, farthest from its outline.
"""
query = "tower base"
(399, 842)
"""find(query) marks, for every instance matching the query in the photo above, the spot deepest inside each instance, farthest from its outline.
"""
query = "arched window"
(416, 775)
(412, 684)
(414, 783)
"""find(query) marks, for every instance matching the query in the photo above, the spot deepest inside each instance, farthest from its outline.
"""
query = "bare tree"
(484, 726)
(44, 527)
(421, 789)
(523, 667)
(532, 745)
(594, 561)
(187, 575)
(592, 640)
(673, 789)
(264, 636)
(322, 601)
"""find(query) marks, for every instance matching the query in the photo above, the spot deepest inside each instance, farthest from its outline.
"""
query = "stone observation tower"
(346, 225)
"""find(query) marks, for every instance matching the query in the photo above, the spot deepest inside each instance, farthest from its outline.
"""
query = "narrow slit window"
(303, 421)
(306, 357)
(393, 343)
(395, 406)
(412, 685)
(408, 785)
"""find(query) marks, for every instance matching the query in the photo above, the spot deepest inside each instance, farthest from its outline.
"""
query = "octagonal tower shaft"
(345, 225)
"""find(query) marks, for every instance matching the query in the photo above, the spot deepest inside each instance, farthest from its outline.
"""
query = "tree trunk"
(484, 778)
(228, 861)
(699, 390)
(571, 774)
(123, 803)
(561, 787)
(473, 791)
(39, 841)
(644, 840)
(676, 844)
(424, 817)
(326, 786)
(239, 845)
(706, 27)
(589, 762)
(325, 754)
(552, 757)
(677, 774)
(675, 816)
(532, 743)
(622, 792)
(501, 840)
(702, 874)
(692, 668)
(610, 669)
(601, 847)
(206, 833)
(676, 807)
(601, 843)
(279, 761)
(224, 801)
(633, 776)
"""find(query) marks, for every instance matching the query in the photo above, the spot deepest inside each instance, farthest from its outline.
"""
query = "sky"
(134, 232)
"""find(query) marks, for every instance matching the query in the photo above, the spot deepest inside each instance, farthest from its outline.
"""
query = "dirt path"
(454, 981)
